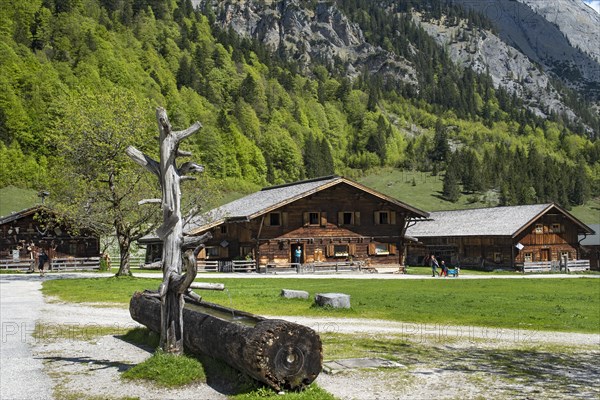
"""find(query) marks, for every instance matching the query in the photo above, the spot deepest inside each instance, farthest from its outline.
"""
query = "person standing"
(297, 254)
(42, 260)
(32, 257)
(433, 263)
(444, 268)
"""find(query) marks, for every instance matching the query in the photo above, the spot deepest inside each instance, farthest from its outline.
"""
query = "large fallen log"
(281, 354)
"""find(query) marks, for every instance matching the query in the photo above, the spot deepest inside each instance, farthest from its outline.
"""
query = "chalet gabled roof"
(274, 197)
(23, 213)
(497, 221)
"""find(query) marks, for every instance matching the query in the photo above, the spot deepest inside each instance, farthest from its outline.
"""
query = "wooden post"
(174, 284)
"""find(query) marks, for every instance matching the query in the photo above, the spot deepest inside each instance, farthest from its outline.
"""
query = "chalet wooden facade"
(500, 237)
(322, 220)
(25, 233)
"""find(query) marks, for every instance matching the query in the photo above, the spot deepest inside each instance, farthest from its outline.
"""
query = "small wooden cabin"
(499, 237)
(327, 219)
(23, 234)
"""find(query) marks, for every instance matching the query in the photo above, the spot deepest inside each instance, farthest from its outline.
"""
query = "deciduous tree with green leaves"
(92, 178)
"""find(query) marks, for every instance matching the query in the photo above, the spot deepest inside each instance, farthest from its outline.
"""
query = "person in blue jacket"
(297, 254)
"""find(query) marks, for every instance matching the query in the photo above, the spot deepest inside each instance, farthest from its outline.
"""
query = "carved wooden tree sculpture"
(174, 284)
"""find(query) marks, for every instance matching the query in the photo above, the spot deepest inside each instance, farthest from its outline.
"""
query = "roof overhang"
(23, 213)
(328, 182)
(582, 228)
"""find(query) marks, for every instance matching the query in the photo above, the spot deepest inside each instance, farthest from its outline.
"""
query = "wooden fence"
(315, 268)
(578, 265)
(17, 265)
(226, 265)
(56, 264)
(295, 268)
(555, 266)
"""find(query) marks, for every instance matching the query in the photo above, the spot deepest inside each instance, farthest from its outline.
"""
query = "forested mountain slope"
(325, 88)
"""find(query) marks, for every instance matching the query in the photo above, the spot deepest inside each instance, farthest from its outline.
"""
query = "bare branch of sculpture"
(174, 284)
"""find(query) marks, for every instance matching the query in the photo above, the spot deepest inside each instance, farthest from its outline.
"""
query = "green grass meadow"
(568, 305)
(423, 191)
(14, 199)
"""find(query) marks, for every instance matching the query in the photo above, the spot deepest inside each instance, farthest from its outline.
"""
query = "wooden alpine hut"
(499, 237)
(306, 224)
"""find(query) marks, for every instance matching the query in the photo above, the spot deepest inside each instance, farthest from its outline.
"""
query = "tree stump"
(281, 354)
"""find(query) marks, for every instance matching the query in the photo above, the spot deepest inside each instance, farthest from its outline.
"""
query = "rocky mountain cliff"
(321, 34)
(576, 20)
(485, 52)
(562, 36)
(534, 43)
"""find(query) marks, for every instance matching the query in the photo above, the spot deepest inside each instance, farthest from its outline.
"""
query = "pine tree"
(327, 166)
(451, 186)
(508, 195)
(580, 191)
(472, 177)
(441, 148)
(311, 157)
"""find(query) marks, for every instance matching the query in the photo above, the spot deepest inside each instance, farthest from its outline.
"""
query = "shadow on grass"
(553, 371)
(574, 375)
(219, 375)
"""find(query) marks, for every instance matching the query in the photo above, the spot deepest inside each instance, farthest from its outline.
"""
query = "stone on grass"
(335, 300)
(294, 294)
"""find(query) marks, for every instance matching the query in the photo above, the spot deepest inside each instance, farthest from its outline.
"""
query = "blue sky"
(595, 4)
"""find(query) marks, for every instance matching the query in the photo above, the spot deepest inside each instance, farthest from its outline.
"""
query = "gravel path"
(21, 374)
(445, 362)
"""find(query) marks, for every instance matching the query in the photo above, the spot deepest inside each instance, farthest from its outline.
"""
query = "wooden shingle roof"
(497, 221)
(271, 198)
(22, 214)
